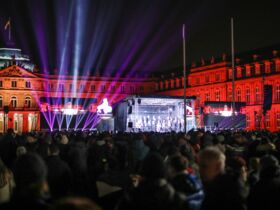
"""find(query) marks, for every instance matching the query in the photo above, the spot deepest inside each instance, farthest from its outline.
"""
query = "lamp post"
(184, 74)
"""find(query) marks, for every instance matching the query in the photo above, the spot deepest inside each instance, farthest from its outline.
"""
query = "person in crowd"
(222, 190)
(185, 182)
(75, 203)
(8, 148)
(6, 183)
(254, 171)
(31, 191)
(59, 173)
(236, 166)
(266, 192)
(21, 150)
(265, 146)
(152, 190)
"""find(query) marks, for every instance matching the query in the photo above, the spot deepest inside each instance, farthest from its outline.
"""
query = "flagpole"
(233, 67)
(185, 84)
(10, 28)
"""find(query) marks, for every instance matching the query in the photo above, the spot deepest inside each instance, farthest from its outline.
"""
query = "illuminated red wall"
(213, 82)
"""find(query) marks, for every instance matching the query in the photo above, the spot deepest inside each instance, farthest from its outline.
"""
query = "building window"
(122, 89)
(257, 69)
(164, 85)
(14, 102)
(248, 70)
(169, 84)
(1, 101)
(230, 73)
(198, 99)
(217, 77)
(131, 89)
(177, 83)
(277, 93)
(1, 83)
(28, 84)
(103, 88)
(14, 84)
(172, 84)
(229, 95)
(60, 87)
(92, 88)
(27, 102)
(157, 86)
(70, 87)
(247, 121)
(247, 95)
(258, 95)
(257, 120)
(277, 65)
(207, 78)
(267, 121)
(142, 88)
(197, 80)
(278, 120)
(82, 87)
(51, 87)
(113, 88)
(217, 95)
(267, 67)
(238, 95)
(207, 96)
(239, 72)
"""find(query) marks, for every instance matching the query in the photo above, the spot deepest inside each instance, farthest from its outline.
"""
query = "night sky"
(128, 36)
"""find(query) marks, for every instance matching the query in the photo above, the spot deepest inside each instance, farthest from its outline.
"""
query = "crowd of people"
(199, 170)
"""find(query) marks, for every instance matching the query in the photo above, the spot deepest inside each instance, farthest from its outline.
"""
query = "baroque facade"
(211, 81)
(22, 91)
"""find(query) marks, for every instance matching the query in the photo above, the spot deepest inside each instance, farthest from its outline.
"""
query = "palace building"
(256, 88)
(29, 100)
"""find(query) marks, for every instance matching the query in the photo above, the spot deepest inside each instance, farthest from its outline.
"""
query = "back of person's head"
(30, 173)
(237, 166)
(21, 150)
(64, 139)
(73, 203)
(268, 162)
(179, 163)
(254, 163)
(211, 163)
(154, 167)
(236, 163)
(3, 174)
(53, 149)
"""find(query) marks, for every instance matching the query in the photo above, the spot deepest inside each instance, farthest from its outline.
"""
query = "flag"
(8, 24)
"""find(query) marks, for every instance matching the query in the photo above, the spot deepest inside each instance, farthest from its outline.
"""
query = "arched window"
(27, 102)
(14, 101)
(1, 101)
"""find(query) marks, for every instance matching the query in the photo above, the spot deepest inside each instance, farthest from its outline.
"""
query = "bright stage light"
(104, 108)
(70, 111)
(226, 112)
